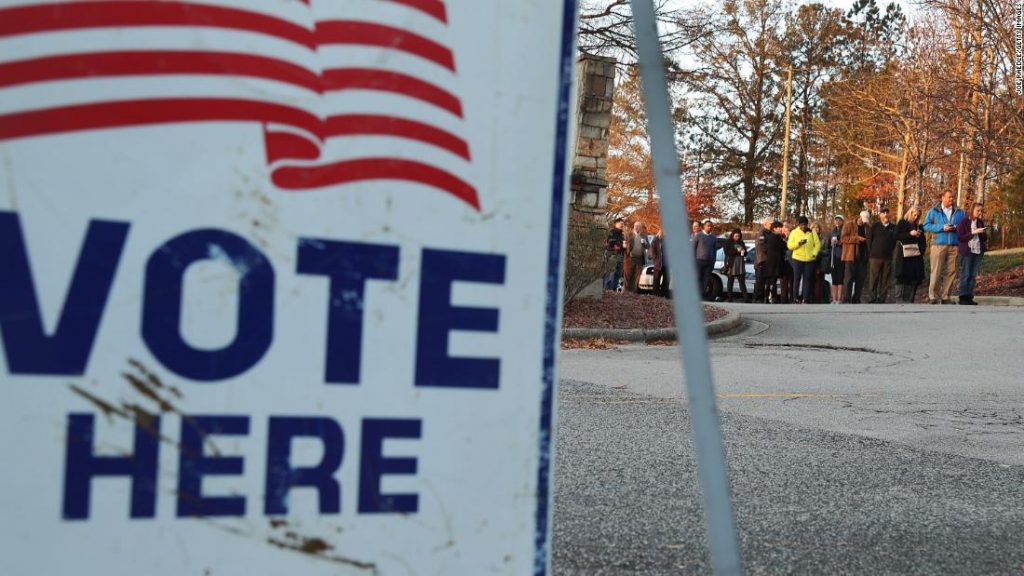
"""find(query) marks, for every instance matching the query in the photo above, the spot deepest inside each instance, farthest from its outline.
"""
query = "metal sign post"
(725, 554)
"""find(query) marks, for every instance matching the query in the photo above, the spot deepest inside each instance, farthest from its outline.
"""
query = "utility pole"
(785, 144)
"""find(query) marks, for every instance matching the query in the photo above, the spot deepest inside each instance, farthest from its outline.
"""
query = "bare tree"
(735, 97)
(606, 28)
(814, 35)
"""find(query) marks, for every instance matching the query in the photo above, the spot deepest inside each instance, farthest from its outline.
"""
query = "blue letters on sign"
(374, 465)
(28, 348)
(161, 311)
(281, 476)
(193, 465)
(438, 317)
(81, 465)
(349, 266)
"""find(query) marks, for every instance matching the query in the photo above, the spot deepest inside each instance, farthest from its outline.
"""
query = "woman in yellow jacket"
(805, 246)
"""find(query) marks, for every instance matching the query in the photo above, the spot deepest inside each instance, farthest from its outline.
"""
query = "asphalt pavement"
(860, 440)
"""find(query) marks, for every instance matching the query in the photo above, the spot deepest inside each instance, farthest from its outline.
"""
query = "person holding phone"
(805, 246)
(735, 265)
(973, 242)
(855, 256)
(942, 222)
(908, 265)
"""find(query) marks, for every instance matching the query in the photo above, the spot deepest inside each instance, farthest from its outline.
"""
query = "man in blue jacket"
(941, 222)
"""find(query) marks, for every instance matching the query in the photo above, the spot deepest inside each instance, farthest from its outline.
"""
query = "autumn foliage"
(631, 187)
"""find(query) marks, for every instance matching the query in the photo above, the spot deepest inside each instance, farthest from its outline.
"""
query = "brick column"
(595, 84)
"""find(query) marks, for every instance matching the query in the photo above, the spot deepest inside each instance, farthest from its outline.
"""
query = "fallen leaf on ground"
(1008, 283)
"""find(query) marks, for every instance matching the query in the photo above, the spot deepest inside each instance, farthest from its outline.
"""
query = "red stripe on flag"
(370, 125)
(148, 112)
(143, 112)
(385, 81)
(348, 171)
(162, 111)
(126, 63)
(433, 8)
(125, 13)
(288, 146)
(367, 34)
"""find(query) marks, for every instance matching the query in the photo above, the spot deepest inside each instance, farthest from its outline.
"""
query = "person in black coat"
(735, 264)
(786, 274)
(759, 257)
(657, 253)
(835, 258)
(881, 239)
(775, 257)
(909, 270)
(613, 255)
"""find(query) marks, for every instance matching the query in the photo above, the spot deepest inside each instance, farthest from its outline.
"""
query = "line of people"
(788, 263)
(864, 257)
(627, 250)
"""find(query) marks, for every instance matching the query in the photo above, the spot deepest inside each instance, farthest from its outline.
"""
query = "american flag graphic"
(345, 90)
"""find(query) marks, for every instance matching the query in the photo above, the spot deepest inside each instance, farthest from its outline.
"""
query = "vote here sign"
(279, 284)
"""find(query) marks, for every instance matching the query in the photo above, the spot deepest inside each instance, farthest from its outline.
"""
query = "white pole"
(689, 315)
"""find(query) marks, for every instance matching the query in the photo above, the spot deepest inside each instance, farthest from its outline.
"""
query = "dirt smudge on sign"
(108, 409)
(147, 385)
(287, 536)
(317, 548)
(148, 392)
(152, 378)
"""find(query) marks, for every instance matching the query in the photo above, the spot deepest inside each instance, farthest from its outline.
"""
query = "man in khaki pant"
(635, 246)
(941, 222)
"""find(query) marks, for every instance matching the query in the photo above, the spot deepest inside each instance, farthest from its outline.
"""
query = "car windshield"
(719, 249)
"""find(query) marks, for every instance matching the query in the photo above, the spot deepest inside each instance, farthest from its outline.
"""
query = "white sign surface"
(279, 284)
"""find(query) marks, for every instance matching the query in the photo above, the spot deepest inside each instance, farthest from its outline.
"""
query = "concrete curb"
(995, 300)
(714, 328)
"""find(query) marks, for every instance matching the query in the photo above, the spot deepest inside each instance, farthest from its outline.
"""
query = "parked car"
(718, 281)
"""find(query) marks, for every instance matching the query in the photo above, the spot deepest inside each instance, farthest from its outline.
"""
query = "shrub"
(585, 260)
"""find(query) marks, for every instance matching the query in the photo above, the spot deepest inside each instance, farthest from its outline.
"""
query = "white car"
(716, 283)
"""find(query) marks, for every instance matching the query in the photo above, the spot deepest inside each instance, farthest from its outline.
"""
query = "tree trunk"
(919, 195)
(986, 135)
(976, 70)
(902, 190)
(748, 197)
